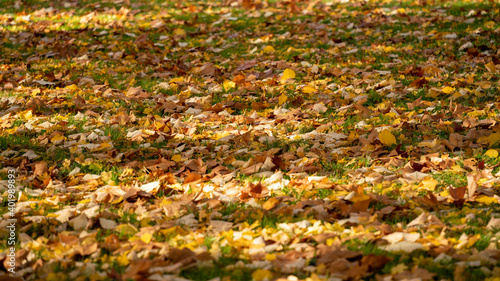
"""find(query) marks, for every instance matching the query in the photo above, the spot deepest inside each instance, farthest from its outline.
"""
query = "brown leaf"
(458, 193)
(472, 183)
(419, 83)
(196, 165)
(192, 177)
(40, 168)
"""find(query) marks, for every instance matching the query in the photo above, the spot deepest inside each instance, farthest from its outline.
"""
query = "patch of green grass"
(218, 269)
(323, 193)
(450, 178)
(335, 169)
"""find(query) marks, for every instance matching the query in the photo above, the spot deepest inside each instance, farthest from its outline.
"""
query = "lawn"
(249, 140)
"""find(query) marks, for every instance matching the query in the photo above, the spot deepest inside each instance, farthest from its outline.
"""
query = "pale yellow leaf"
(179, 32)
(126, 229)
(429, 184)
(122, 260)
(228, 85)
(57, 139)
(486, 199)
(26, 115)
(491, 67)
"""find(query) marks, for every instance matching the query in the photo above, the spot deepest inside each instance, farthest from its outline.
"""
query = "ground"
(250, 140)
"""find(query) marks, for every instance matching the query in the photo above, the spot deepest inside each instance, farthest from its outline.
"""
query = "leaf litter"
(252, 140)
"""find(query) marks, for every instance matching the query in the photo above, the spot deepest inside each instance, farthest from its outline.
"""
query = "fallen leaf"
(387, 138)
(288, 74)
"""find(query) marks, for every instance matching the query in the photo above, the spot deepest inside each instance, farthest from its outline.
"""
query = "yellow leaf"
(428, 184)
(72, 87)
(122, 260)
(387, 138)
(26, 115)
(268, 49)
(177, 80)
(179, 32)
(177, 158)
(146, 238)
(493, 153)
(389, 49)
(489, 24)
(148, 110)
(308, 90)
(57, 139)
(282, 99)
(486, 199)
(106, 145)
(288, 74)
(270, 257)
(491, 67)
(228, 85)
(220, 135)
(262, 274)
(448, 90)
(493, 138)
(271, 203)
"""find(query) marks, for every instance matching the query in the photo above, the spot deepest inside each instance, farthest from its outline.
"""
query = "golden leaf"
(387, 138)
(282, 99)
(262, 274)
(493, 153)
(308, 90)
(288, 74)
(177, 158)
(268, 49)
(448, 90)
